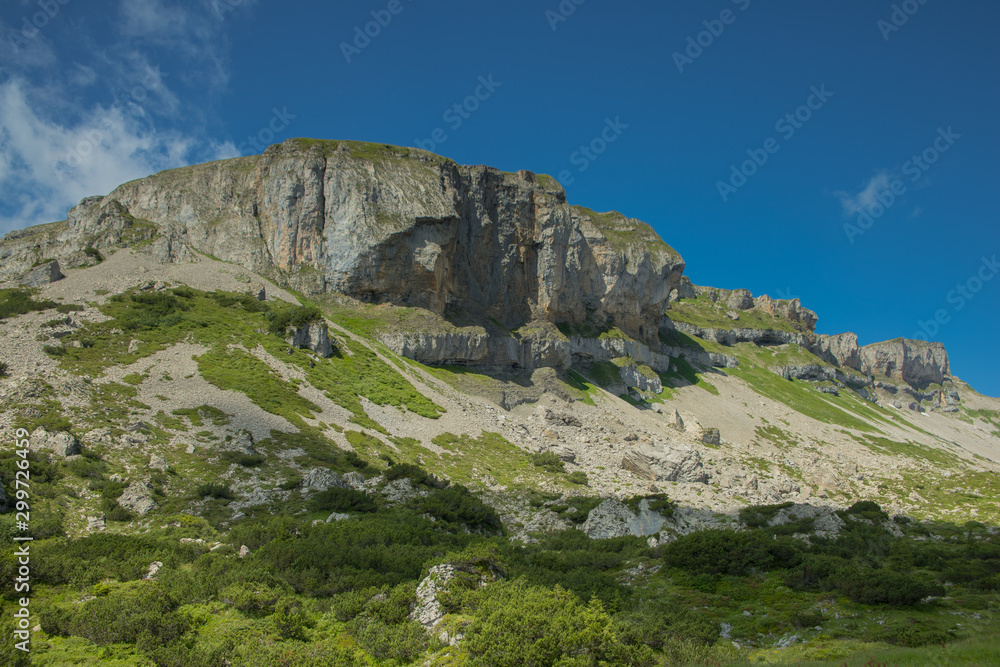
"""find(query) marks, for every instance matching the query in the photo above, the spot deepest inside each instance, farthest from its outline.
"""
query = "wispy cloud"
(75, 127)
(46, 167)
(867, 196)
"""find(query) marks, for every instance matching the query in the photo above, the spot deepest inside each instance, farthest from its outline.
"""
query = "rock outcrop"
(914, 362)
(841, 350)
(60, 443)
(389, 225)
(138, 498)
(612, 518)
(664, 463)
(314, 336)
(42, 275)
(321, 479)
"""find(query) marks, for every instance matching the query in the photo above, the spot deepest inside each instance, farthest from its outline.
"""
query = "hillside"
(354, 402)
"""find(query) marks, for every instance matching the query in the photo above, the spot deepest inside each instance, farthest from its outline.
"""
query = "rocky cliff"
(384, 224)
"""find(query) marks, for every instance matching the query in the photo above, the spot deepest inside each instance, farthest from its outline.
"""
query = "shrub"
(18, 301)
(524, 625)
(251, 597)
(216, 490)
(91, 251)
(152, 310)
(548, 461)
(342, 500)
(456, 504)
(245, 460)
(403, 641)
(416, 474)
(578, 477)
(884, 586)
(727, 552)
(869, 510)
(757, 516)
(4, 369)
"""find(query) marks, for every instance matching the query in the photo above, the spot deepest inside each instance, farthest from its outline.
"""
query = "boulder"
(674, 420)
(712, 436)
(354, 480)
(157, 462)
(242, 442)
(61, 443)
(662, 463)
(138, 498)
(612, 518)
(314, 336)
(41, 275)
(321, 479)
(428, 611)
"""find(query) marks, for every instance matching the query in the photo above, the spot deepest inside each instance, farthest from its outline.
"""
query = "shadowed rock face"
(386, 224)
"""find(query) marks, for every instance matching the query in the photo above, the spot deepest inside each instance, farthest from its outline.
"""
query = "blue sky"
(675, 113)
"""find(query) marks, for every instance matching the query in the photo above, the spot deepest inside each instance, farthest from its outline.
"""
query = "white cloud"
(863, 200)
(56, 148)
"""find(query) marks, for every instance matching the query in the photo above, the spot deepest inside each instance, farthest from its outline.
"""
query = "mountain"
(368, 329)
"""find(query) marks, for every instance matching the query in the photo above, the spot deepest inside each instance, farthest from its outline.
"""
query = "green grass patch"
(20, 301)
(799, 396)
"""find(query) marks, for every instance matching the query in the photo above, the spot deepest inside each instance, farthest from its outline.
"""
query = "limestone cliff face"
(385, 224)
(915, 362)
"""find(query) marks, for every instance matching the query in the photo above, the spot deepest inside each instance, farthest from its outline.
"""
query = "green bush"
(245, 460)
(883, 586)
(415, 474)
(578, 477)
(727, 552)
(18, 301)
(548, 461)
(757, 516)
(342, 500)
(215, 490)
(4, 369)
(456, 504)
(251, 597)
(518, 625)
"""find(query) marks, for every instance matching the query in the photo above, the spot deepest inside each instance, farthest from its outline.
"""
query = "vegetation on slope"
(341, 593)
